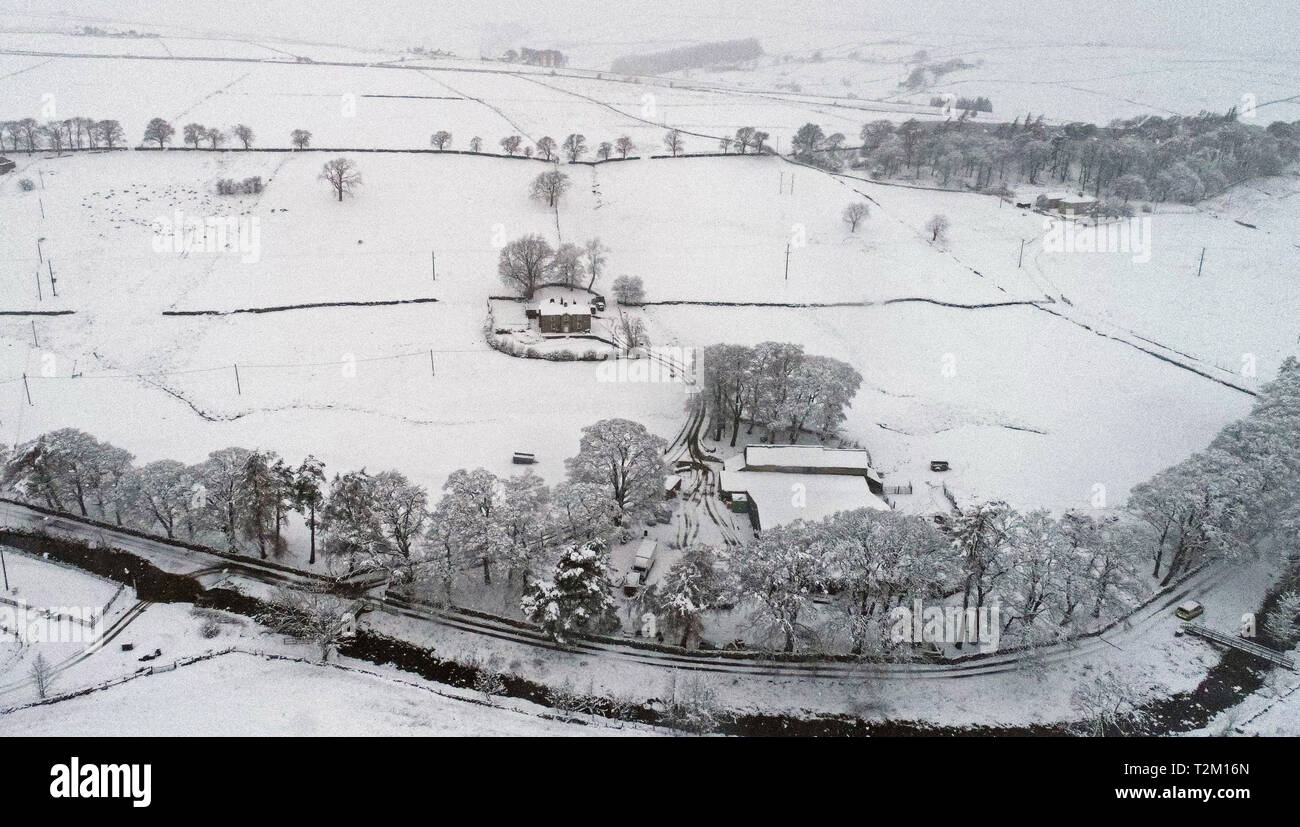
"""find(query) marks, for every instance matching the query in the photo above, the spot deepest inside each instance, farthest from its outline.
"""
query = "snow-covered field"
(228, 696)
(1049, 384)
(1025, 404)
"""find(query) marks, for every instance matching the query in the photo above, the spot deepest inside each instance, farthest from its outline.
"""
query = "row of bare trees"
(57, 135)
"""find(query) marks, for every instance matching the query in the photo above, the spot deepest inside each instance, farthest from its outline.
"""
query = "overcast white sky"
(1257, 26)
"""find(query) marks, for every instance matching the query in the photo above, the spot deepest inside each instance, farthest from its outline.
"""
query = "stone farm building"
(562, 316)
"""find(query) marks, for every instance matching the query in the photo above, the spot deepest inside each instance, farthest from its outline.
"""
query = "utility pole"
(1201, 264)
(40, 296)
(238, 388)
(1022, 254)
(36, 342)
(40, 257)
(27, 388)
(42, 203)
(433, 259)
(4, 568)
(432, 370)
(787, 261)
(53, 290)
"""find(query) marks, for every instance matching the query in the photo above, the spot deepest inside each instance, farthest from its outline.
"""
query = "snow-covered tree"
(624, 458)
(582, 510)
(440, 140)
(308, 496)
(624, 146)
(878, 560)
(689, 589)
(777, 574)
(1112, 704)
(468, 521)
(577, 599)
(161, 494)
(318, 617)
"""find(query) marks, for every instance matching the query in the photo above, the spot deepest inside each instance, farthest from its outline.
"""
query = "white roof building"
(781, 497)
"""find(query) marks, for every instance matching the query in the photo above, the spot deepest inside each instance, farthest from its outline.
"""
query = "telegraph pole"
(1201, 264)
(787, 261)
(433, 260)
(238, 388)
(53, 290)
(1022, 254)
(432, 370)
(35, 342)
(27, 388)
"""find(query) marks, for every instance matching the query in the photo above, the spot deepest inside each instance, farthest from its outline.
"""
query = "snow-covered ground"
(246, 696)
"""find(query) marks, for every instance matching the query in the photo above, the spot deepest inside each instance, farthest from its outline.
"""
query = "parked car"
(1188, 610)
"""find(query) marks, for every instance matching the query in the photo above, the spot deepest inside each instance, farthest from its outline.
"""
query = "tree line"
(1178, 158)
(367, 522)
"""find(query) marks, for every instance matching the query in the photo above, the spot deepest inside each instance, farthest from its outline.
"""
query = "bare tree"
(300, 138)
(42, 675)
(629, 290)
(440, 139)
(53, 132)
(624, 145)
(216, 137)
(937, 227)
(725, 143)
(853, 215)
(244, 134)
(160, 131)
(549, 186)
(315, 616)
(511, 144)
(194, 132)
(595, 252)
(342, 175)
(673, 140)
(603, 151)
(476, 144)
(546, 146)
(525, 263)
(1112, 704)
(575, 146)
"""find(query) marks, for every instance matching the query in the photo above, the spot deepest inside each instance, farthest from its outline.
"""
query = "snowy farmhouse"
(778, 484)
(562, 310)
